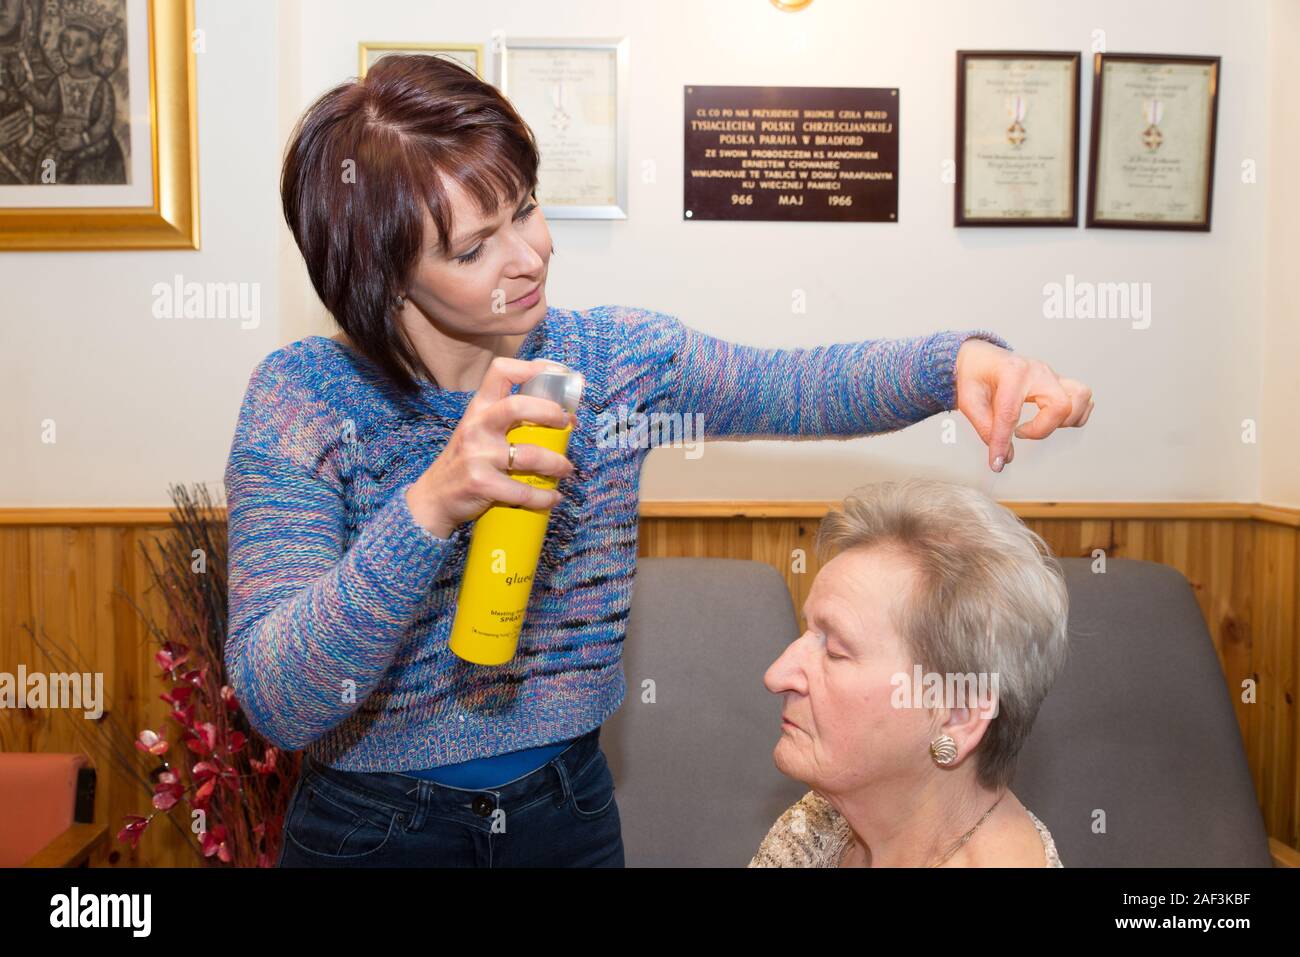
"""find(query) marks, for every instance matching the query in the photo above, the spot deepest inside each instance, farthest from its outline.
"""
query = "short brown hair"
(413, 119)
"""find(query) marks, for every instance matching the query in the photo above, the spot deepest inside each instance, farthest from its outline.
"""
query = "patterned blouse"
(811, 833)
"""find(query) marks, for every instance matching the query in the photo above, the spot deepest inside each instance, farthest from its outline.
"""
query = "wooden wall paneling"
(62, 571)
(1273, 718)
(787, 545)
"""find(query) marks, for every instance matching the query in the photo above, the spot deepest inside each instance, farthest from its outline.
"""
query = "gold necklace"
(966, 837)
(956, 847)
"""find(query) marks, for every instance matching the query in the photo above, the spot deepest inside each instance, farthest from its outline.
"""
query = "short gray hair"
(989, 597)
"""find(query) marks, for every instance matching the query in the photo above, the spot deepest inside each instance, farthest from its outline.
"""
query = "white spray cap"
(559, 384)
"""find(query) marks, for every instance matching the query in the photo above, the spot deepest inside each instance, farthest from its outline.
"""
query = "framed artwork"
(1151, 162)
(468, 54)
(98, 128)
(573, 93)
(1017, 138)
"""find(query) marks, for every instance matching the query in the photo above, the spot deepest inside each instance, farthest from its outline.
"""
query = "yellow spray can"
(506, 543)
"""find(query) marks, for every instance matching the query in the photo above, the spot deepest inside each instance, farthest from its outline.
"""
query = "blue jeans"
(561, 815)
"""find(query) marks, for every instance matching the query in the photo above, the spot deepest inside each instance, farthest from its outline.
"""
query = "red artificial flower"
(183, 716)
(134, 826)
(201, 739)
(266, 766)
(167, 791)
(203, 795)
(228, 696)
(168, 658)
(178, 696)
(151, 742)
(214, 842)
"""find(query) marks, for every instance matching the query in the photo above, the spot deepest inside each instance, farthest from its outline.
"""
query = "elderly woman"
(938, 576)
(360, 463)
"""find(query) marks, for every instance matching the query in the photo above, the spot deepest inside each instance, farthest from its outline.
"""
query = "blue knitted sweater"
(341, 605)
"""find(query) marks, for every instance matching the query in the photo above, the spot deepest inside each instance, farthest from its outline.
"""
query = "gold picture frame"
(172, 220)
(366, 47)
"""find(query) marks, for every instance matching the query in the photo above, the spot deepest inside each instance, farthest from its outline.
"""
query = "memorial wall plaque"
(791, 153)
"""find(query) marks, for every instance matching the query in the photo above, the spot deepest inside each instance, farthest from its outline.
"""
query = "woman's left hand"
(993, 385)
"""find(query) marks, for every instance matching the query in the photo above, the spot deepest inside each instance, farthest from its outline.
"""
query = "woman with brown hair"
(360, 462)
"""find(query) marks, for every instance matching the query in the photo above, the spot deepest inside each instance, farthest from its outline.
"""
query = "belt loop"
(423, 797)
(571, 753)
(557, 764)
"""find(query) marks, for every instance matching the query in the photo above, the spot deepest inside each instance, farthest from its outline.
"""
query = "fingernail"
(998, 463)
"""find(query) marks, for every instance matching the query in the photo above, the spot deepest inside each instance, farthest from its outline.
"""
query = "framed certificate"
(1017, 138)
(1151, 163)
(469, 55)
(573, 93)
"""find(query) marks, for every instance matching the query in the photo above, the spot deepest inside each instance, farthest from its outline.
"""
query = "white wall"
(1280, 445)
(138, 402)
(142, 404)
(1170, 399)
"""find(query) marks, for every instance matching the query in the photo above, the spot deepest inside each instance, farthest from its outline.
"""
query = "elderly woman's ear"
(958, 735)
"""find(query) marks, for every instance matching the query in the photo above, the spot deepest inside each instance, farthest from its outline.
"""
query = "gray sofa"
(1139, 726)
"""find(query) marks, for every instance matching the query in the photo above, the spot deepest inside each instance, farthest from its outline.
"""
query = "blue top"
(341, 604)
(495, 770)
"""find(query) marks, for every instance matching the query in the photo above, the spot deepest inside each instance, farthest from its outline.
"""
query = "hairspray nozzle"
(559, 384)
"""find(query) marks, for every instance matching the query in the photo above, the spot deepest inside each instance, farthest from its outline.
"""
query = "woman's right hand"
(470, 475)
